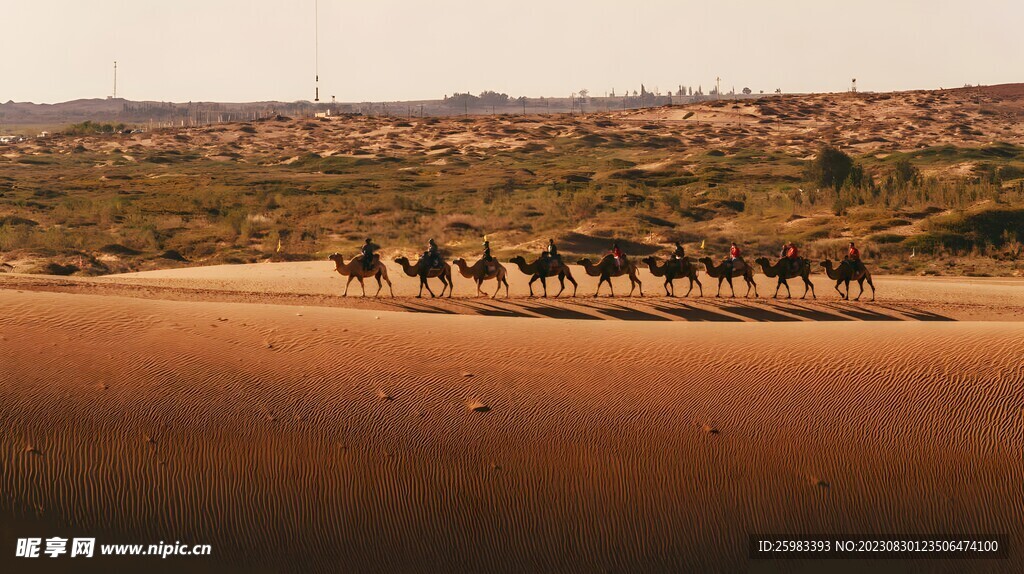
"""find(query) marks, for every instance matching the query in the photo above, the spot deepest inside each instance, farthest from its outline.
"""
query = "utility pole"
(316, 48)
(718, 88)
(115, 79)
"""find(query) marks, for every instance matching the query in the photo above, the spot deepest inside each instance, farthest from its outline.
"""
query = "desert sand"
(253, 409)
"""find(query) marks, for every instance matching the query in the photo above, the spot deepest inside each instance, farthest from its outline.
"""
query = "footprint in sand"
(820, 483)
(708, 429)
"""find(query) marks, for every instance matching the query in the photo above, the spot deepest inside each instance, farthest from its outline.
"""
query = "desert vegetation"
(945, 197)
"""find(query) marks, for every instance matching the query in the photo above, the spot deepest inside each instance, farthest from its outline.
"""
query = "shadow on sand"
(669, 309)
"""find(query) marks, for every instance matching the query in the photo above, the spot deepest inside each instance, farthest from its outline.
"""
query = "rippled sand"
(303, 438)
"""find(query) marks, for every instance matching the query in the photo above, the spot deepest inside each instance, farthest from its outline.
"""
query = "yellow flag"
(702, 244)
(278, 245)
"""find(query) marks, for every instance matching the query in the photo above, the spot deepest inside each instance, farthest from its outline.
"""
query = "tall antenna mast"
(115, 79)
(316, 48)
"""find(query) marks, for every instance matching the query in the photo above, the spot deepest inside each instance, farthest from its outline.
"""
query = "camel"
(354, 270)
(844, 274)
(738, 270)
(423, 270)
(783, 269)
(675, 269)
(606, 269)
(536, 270)
(482, 271)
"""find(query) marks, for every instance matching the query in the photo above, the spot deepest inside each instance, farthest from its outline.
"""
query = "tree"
(491, 98)
(584, 93)
(831, 168)
(905, 173)
(747, 91)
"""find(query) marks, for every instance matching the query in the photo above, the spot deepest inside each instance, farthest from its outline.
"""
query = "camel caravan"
(549, 264)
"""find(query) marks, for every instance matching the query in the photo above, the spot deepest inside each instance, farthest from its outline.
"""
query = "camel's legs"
(729, 279)
(807, 282)
(632, 279)
(574, 284)
(480, 293)
(836, 287)
(860, 283)
(720, 279)
(789, 294)
(530, 284)
(544, 284)
(505, 281)
(667, 283)
(423, 283)
(390, 288)
(561, 285)
(347, 283)
(362, 285)
(698, 285)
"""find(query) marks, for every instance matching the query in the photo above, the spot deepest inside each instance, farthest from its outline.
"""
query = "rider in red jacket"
(620, 257)
(854, 254)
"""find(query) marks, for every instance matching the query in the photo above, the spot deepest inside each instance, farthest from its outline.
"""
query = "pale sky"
(377, 50)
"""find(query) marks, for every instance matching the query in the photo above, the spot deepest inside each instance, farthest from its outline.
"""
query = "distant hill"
(184, 114)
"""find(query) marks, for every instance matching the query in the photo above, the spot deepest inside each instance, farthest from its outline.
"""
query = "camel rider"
(550, 255)
(784, 251)
(433, 255)
(487, 258)
(793, 256)
(853, 256)
(367, 251)
(735, 254)
(620, 257)
(679, 253)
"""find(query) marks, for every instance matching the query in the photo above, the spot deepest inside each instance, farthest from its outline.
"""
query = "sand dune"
(309, 438)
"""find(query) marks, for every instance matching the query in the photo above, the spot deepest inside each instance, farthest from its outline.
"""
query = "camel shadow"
(918, 314)
(623, 313)
(419, 309)
(490, 309)
(756, 313)
(554, 312)
(811, 314)
(694, 314)
(861, 314)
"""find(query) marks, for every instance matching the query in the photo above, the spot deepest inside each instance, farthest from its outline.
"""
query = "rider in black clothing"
(368, 249)
(433, 255)
(550, 255)
(679, 253)
(487, 251)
